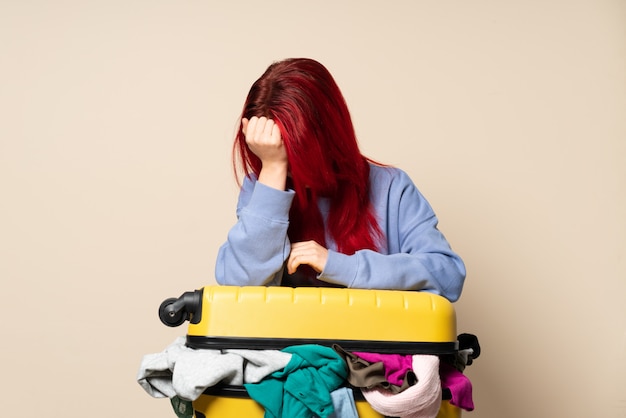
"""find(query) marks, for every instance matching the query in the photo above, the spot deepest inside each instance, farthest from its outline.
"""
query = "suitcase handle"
(174, 311)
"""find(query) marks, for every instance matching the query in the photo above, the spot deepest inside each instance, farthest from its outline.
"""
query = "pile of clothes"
(311, 380)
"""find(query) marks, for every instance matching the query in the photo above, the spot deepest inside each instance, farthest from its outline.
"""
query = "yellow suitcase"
(381, 321)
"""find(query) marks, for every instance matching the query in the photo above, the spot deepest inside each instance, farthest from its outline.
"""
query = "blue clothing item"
(303, 388)
(416, 257)
(343, 403)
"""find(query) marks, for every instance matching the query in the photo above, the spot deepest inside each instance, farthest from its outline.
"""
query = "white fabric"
(422, 400)
(187, 372)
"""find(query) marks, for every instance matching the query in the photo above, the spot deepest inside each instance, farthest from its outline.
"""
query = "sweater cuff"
(270, 203)
(340, 268)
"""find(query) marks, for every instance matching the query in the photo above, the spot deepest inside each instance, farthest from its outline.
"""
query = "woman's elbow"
(454, 285)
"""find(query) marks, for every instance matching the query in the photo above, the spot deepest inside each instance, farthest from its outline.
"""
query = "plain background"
(116, 124)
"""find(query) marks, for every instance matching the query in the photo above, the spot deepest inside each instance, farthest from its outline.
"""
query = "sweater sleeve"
(257, 245)
(418, 257)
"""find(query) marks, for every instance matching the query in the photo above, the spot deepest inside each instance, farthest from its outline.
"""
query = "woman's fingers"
(265, 141)
(310, 253)
(262, 131)
(276, 133)
(267, 128)
(251, 129)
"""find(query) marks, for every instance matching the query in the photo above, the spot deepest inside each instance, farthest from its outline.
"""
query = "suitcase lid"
(356, 319)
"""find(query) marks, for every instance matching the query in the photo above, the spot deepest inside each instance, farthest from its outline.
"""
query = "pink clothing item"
(422, 400)
(459, 385)
(396, 365)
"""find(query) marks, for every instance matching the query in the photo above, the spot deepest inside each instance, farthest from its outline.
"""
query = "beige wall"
(116, 188)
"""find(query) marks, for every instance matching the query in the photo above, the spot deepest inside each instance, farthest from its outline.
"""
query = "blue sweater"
(417, 255)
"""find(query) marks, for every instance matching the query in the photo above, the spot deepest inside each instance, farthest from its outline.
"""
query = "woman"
(313, 211)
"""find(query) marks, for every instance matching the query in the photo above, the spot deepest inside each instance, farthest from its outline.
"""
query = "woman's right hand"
(264, 140)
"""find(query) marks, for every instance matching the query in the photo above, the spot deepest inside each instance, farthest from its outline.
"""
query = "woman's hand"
(264, 140)
(309, 252)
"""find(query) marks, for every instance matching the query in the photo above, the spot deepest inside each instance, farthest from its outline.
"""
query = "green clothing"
(182, 407)
(303, 387)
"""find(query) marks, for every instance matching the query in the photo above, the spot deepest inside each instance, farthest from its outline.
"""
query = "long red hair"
(303, 99)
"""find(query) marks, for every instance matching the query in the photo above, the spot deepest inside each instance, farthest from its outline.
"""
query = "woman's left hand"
(308, 252)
